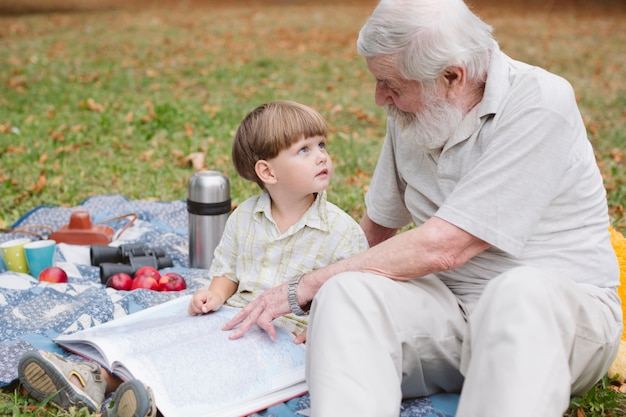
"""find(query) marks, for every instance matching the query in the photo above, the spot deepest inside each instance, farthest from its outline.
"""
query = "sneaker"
(131, 399)
(47, 376)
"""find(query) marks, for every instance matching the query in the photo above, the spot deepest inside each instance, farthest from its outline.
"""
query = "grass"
(600, 401)
(92, 111)
(96, 98)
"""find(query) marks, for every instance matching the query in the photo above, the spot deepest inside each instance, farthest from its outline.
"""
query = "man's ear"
(454, 80)
(265, 172)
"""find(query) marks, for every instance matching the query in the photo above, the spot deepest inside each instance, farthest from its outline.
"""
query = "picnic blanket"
(32, 314)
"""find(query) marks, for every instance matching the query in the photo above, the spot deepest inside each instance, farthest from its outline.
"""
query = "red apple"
(145, 281)
(120, 281)
(172, 281)
(149, 271)
(53, 274)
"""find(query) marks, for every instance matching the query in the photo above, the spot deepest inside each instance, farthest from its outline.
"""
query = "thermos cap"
(208, 187)
(208, 194)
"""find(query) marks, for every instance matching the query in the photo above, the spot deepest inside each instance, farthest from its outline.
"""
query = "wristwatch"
(292, 297)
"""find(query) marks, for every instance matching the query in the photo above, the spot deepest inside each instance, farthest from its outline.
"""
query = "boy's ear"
(264, 171)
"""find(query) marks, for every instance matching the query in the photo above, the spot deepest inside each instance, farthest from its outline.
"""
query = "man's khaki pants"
(530, 342)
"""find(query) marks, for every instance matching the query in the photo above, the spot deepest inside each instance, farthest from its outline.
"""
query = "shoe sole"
(44, 381)
(130, 403)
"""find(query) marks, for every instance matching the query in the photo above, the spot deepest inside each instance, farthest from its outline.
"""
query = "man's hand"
(269, 305)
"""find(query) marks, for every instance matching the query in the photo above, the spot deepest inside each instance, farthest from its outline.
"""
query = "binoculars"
(127, 258)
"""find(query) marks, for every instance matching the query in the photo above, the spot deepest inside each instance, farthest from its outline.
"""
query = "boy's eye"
(322, 145)
(304, 149)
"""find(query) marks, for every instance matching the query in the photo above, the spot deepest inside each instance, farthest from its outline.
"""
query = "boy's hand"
(204, 301)
(300, 338)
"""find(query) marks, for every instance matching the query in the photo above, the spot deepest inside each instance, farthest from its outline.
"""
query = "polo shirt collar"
(315, 217)
(496, 89)
(497, 84)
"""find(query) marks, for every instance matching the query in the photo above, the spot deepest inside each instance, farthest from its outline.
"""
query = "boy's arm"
(223, 287)
(211, 299)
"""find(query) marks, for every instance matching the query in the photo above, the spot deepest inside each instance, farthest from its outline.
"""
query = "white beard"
(430, 129)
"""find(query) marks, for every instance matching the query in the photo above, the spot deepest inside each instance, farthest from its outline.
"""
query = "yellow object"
(619, 245)
(13, 255)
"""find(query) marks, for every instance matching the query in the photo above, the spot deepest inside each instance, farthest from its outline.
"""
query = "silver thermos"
(208, 205)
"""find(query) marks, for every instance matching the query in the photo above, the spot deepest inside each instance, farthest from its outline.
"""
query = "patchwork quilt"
(32, 314)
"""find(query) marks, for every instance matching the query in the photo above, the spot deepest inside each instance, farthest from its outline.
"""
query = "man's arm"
(374, 232)
(434, 246)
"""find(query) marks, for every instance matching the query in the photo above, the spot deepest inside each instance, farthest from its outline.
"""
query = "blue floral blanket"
(32, 314)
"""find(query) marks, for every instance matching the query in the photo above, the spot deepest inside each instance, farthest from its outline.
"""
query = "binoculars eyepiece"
(127, 258)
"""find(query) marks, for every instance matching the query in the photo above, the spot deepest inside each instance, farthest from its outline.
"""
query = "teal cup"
(40, 255)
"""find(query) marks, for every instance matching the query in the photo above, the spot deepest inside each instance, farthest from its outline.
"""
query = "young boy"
(290, 228)
(287, 230)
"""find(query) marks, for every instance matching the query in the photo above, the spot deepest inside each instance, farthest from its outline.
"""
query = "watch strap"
(292, 297)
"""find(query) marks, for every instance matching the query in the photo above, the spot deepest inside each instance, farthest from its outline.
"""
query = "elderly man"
(505, 289)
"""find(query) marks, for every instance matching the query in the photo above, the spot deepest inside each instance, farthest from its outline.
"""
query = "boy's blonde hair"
(271, 128)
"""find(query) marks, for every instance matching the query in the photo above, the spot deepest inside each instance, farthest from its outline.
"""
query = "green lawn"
(100, 100)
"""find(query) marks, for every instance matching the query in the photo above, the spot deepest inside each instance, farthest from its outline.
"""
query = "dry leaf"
(196, 160)
(15, 149)
(93, 106)
(211, 110)
(147, 155)
(88, 78)
(57, 136)
(40, 184)
(188, 130)
(66, 148)
(18, 82)
(177, 153)
(617, 155)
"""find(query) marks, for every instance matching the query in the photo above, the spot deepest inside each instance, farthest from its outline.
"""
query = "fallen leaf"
(196, 160)
(40, 184)
(93, 106)
(177, 153)
(188, 130)
(147, 155)
(16, 149)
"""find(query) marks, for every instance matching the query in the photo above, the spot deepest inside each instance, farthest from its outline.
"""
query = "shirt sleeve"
(225, 255)
(344, 237)
(384, 199)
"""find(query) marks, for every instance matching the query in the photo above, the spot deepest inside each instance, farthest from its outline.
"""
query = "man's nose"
(382, 95)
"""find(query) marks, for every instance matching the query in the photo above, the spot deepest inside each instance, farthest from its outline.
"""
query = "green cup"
(13, 255)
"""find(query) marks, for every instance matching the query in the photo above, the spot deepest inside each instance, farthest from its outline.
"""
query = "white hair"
(428, 36)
